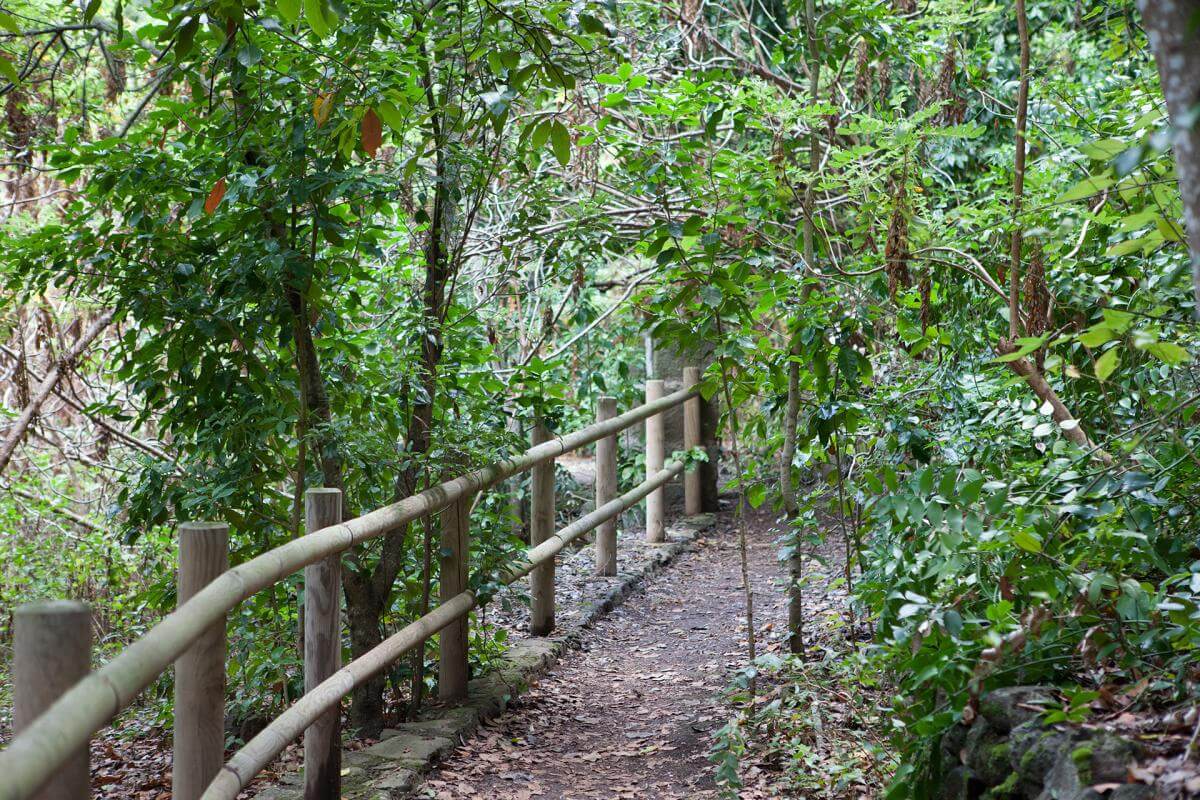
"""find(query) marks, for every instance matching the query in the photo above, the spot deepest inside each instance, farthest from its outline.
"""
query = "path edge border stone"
(395, 767)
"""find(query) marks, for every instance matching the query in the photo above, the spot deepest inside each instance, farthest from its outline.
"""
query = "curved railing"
(61, 732)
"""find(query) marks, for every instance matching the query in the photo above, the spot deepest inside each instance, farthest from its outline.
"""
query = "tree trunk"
(787, 489)
(1172, 26)
(368, 593)
(791, 508)
(1014, 267)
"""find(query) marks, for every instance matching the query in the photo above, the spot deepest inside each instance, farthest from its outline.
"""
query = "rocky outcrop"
(1010, 754)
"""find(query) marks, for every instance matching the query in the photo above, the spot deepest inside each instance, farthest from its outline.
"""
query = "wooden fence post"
(606, 490)
(199, 740)
(52, 651)
(693, 492)
(541, 528)
(656, 529)
(455, 571)
(322, 649)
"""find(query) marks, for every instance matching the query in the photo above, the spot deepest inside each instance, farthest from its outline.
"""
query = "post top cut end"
(44, 607)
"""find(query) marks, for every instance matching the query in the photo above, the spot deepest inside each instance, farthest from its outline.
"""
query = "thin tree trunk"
(1173, 27)
(787, 489)
(368, 593)
(740, 516)
(791, 509)
(312, 387)
(1014, 271)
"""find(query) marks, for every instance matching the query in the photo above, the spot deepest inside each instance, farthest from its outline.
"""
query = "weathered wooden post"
(455, 566)
(693, 491)
(606, 490)
(52, 651)
(541, 528)
(656, 529)
(199, 740)
(322, 649)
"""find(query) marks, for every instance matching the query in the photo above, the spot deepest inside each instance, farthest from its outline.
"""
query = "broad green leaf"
(187, 34)
(541, 132)
(1124, 248)
(1027, 344)
(1104, 149)
(1086, 188)
(560, 142)
(391, 116)
(289, 10)
(1028, 541)
(1107, 363)
(319, 17)
(1096, 336)
(1169, 229)
(1117, 319)
(8, 70)
(1169, 353)
(249, 55)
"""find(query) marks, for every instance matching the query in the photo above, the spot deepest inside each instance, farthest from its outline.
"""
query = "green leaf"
(756, 494)
(1096, 336)
(1103, 149)
(249, 55)
(8, 70)
(1169, 353)
(560, 142)
(187, 33)
(289, 10)
(1117, 319)
(1086, 188)
(319, 17)
(1107, 364)
(541, 132)
(391, 116)
(592, 25)
(89, 13)
(925, 481)
(1028, 541)
(9, 23)
(1145, 243)
(1168, 230)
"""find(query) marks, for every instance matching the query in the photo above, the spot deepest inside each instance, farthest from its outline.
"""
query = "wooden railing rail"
(190, 634)
(288, 726)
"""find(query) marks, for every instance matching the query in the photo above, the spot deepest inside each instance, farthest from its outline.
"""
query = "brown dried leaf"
(214, 197)
(372, 132)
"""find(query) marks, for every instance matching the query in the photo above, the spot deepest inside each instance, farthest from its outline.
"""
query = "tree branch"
(17, 432)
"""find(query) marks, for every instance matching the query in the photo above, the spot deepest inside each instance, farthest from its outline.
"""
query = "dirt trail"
(630, 715)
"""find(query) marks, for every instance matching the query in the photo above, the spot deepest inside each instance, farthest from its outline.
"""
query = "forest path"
(631, 714)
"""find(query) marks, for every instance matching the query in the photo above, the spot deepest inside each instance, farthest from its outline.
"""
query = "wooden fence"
(59, 704)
